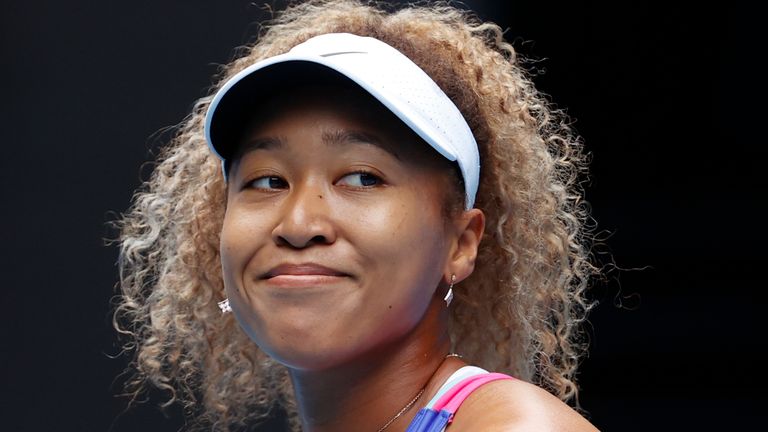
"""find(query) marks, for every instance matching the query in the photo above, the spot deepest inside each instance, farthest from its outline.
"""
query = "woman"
(381, 199)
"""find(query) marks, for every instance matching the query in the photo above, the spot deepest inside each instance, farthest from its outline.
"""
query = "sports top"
(439, 412)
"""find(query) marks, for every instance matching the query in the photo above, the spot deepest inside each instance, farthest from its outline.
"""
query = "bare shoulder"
(515, 405)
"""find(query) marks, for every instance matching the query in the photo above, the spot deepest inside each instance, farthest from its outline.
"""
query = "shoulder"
(515, 405)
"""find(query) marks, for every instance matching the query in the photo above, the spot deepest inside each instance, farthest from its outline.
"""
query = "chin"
(303, 352)
(312, 337)
(298, 342)
(307, 357)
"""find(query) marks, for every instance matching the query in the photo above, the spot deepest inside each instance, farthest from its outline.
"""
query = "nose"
(305, 219)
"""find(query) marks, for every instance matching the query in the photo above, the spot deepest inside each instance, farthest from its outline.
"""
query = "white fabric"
(396, 82)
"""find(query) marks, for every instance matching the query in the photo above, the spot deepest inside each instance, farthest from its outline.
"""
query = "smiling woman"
(386, 205)
(324, 221)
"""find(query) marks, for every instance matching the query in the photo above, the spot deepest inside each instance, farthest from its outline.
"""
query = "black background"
(661, 94)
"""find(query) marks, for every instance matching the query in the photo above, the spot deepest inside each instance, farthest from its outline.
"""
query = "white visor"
(384, 72)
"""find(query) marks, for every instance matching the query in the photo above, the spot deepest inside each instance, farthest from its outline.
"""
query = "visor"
(384, 72)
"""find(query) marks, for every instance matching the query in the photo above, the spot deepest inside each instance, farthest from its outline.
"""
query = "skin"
(336, 254)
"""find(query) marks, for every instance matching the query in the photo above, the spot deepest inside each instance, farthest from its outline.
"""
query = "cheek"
(405, 250)
(241, 236)
(384, 233)
(230, 250)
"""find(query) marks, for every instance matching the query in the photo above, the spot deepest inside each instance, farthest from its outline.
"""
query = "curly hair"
(520, 312)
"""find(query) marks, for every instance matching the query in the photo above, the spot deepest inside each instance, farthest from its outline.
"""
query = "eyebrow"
(232, 163)
(265, 143)
(341, 137)
(335, 138)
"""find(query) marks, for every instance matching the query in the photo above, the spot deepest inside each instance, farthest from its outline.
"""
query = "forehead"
(345, 99)
(364, 119)
(345, 114)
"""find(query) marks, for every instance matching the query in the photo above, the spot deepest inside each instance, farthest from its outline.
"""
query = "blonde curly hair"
(520, 312)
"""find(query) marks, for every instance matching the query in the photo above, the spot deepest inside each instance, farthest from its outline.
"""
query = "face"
(334, 240)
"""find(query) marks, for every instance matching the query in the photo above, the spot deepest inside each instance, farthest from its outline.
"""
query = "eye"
(360, 179)
(267, 183)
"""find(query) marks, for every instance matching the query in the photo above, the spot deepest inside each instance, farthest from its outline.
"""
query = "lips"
(308, 269)
(302, 275)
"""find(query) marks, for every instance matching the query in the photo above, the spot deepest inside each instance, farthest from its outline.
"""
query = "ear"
(469, 229)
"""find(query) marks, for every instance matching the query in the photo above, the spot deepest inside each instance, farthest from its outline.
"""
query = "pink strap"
(454, 397)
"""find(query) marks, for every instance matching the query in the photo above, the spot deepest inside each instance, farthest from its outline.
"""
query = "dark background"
(661, 94)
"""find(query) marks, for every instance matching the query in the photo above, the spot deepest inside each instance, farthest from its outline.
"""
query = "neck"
(366, 392)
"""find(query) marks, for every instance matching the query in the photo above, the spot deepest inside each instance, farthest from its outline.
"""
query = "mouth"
(302, 275)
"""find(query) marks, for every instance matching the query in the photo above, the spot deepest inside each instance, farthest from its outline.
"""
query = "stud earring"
(224, 306)
(449, 296)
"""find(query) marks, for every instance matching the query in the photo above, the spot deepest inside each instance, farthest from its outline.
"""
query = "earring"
(449, 295)
(224, 306)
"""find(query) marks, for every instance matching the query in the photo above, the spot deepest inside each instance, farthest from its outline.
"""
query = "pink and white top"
(439, 412)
